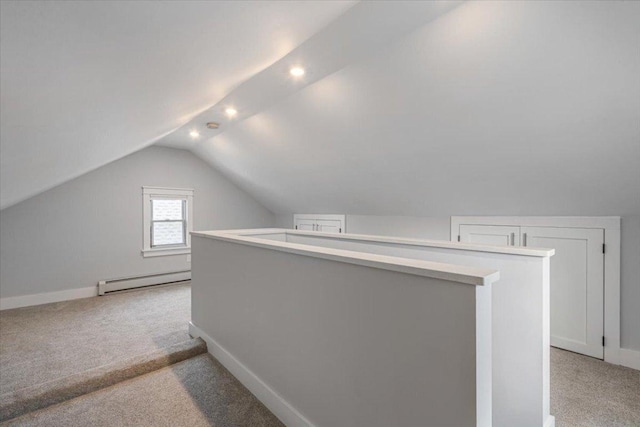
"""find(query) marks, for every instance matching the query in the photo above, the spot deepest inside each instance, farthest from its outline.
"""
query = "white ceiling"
(408, 108)
(85, 83)
(512, 108)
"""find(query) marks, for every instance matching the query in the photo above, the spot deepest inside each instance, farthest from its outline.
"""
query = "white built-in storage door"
(305, 224)
(329, 226)
(577, 286)
(499, 235)
(577, 278)
(326, 223)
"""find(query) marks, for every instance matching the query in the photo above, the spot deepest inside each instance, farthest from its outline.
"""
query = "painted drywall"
(86, 83)
(380, 348)
(496, 106)
(630, 282)
(90, 228)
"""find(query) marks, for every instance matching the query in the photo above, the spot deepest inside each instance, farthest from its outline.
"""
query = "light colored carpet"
(587, 392)
(196, 392)
(42, 395)
(47, 342)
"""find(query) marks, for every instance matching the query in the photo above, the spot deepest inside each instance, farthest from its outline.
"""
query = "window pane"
(167, 209)
(168, 233)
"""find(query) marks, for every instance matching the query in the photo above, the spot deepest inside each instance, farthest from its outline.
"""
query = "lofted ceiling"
(512, 108)
(407, 108)
(86, 83)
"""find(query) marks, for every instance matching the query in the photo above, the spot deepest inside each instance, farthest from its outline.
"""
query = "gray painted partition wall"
(345, 344)
(520, 324)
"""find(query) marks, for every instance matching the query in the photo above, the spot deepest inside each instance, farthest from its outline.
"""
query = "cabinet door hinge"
(604, 248)
(458, 237)
(296, 227)
(603, 341)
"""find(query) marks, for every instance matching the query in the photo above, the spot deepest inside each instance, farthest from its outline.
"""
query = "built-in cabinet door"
(306, 224)
(577, 286)
(326, 223)
(496, 235)
(329, 226)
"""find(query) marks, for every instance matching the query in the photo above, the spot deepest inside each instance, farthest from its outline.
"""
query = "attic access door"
(325, 223)
(577, 278)
(577, 286)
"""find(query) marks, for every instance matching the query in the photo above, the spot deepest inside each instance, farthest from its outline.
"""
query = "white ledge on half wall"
(451, 272)
(513, 250)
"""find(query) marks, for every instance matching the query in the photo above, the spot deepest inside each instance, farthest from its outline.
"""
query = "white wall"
(90, 228)
(438, 228)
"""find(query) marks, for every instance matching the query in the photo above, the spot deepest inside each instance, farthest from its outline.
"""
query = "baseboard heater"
(112, 285)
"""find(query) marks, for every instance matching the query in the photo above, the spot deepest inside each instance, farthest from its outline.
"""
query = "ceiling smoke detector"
(213, 125)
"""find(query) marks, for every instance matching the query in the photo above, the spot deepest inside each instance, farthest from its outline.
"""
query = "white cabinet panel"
(577, 278)
(329, 226)
(326, 223)
(306, 224)
(496, 235)
(577, 286)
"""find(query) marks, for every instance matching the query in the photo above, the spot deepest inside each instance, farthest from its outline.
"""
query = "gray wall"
(438, 228)
(630, 282)
(90, 228)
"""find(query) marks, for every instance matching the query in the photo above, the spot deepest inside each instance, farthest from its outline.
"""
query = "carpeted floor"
(57, 343)
(47, 342)
(196, 392)
(587, 392)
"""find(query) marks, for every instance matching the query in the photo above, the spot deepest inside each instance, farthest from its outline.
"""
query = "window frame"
(153, 193)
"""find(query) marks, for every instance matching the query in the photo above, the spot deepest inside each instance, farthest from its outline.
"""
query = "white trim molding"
(150, 193)
(272, 400)
(550, 421)
(47, 297)
(611, 227)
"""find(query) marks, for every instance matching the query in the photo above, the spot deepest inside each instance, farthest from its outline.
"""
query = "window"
(167, 214)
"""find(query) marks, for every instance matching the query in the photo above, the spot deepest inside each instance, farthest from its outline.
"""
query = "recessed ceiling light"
(194, 134)
(213, 125)
(231, 112)
(297, 71)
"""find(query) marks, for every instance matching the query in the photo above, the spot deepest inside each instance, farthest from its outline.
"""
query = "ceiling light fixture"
(213, 125)
(297, 71)
(194, 134)
(231, 112)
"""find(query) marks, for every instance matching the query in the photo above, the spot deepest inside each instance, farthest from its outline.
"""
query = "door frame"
(611, 227)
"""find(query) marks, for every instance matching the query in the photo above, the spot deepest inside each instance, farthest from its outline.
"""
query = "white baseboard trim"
(272, 400)
(630, 358)
(47, 297)
(550, 421)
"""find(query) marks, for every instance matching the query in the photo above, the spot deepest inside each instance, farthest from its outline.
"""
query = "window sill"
(147, 253)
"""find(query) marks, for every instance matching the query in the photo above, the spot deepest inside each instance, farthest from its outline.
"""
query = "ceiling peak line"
(355, 35)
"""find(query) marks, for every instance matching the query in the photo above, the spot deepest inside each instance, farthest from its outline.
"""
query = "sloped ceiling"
(85, 83)
(529, 108)
(473, 108)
